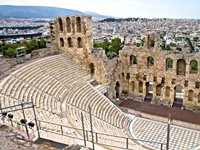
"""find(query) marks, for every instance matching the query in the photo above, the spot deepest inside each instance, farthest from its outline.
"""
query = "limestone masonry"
(163, 77)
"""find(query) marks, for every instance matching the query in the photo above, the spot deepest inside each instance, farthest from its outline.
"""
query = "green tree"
(111, 48)
(104, 45)
(10, 52)
(116, 45)
(137, 44)
(42, 43)
(167, 47)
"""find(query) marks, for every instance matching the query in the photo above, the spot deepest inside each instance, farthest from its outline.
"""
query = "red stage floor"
(176, 113)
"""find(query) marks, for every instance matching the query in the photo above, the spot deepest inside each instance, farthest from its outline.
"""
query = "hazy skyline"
(123, 8)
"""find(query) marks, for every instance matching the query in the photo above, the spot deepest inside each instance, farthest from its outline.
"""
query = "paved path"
(148, 130)
(164, 111)
(180, 138)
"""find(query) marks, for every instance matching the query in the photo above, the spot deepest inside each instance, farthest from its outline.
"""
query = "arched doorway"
(167, 92)
(178, 96)
(190, 95)
(133, 86)
(117, 89)
(149, 91)
(158, 90)
(92, 69)
(140, 87)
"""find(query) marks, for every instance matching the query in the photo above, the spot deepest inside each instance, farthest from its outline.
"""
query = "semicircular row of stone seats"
(57, 83)
(85, 95)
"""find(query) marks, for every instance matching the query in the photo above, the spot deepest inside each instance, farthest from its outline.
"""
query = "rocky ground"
(13, 140)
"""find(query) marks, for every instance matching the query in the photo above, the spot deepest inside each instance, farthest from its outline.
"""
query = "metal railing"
(88, 135)
(6, 112)
(95, 137)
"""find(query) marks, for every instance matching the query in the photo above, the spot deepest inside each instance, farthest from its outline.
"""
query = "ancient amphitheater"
(61, 86)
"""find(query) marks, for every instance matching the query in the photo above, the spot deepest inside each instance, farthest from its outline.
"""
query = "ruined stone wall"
(73, 35)
(159, 75)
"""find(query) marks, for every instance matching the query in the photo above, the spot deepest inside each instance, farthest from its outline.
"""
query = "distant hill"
(121, 19)
(8, 11)
(96, 16)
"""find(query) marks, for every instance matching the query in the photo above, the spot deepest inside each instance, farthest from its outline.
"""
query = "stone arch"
(149, 88)
(140, 87)
(193, 66)
(158, 90)
(190, 95)
(68, 23)
(199, 98)
(181, 67)
(178, 96)
(69, 42)
(62, 44)
(133, 60)
(78, 24)
(150, 61)
(92, 69)
(169, 63)
(167, 91)
(60, 24)
(79, 40)
(117, 89)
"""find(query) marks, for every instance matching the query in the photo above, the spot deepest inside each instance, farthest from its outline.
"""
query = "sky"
(123, 8)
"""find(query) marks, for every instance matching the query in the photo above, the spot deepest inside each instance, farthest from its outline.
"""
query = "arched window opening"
(68, 22)
(150, 62)
(169, 63)
(69, 41)
(133, 60)
(193, 66)
(167, 91)
(190, 95)
(61, 42)
(140, 87)
(60, 24)
(79, 42)
(78, 24)
(181, 67)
